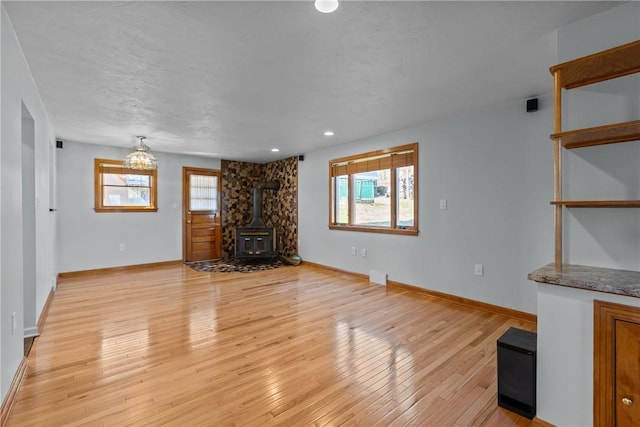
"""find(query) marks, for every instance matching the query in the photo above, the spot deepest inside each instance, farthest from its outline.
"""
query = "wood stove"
(252, 242)
(256, 240)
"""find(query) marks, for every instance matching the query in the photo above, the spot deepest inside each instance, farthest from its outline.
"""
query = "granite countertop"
(621, 282)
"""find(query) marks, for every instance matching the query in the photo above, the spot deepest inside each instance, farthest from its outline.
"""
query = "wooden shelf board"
(600, 135)
(598, 203)
(608, 64)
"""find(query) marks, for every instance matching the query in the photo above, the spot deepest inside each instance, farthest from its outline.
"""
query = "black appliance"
(256, 240)
(517, 350)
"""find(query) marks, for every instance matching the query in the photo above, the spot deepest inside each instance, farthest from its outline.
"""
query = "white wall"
(600, 237)
(2, 324)
(17, 87)
(28, 223)
(89, 240)
(495, 169)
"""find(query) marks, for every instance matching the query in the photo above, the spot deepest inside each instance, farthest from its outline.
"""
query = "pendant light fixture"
(142, 158)
(326, 6)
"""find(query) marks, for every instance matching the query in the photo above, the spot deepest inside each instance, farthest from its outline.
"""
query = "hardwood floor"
(291, 346)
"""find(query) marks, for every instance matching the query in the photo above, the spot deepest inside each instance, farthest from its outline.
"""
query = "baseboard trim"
(504, 311)
(7, 403)
(45, 310)
(31, 332)
(537, 422)
(337, 270)
(120, 269)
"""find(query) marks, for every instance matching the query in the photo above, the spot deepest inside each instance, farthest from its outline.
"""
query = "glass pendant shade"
(142, 158)
(326, 6)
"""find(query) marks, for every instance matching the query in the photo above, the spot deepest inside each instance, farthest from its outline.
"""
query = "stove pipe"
(257, 202)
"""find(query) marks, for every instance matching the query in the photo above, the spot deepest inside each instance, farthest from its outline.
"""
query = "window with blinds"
(120, 189)
(375, 191)
(203, 193)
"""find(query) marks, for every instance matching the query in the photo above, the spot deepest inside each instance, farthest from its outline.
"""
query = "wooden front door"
(627, 373)
(201, 214)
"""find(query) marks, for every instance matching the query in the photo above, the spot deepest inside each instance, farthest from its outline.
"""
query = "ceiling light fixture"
(142, 158)
(275, 150)
(328, 133)
(326, 6)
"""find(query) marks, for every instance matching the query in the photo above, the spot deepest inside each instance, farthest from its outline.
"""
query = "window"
(119, 189)
(203, 192)
(376, 191)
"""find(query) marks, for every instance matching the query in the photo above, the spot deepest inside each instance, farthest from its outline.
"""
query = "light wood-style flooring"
(291, 346)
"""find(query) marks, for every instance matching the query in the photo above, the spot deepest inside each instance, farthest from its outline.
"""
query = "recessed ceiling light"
(326, 6)
(328, 133)
(275, 150)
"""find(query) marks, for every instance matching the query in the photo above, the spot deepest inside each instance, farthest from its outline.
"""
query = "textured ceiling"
(234, 79)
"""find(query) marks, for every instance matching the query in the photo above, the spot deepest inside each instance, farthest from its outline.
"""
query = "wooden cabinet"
(627, 373)
(616, 363)
(609, 64)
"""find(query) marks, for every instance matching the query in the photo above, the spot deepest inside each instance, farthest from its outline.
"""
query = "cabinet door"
(627, 380)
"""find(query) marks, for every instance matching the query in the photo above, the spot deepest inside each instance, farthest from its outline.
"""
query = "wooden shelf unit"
(599, 135)
(601, 66)
(605, 65)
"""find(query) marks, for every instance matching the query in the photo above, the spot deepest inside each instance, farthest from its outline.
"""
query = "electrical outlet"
(443, 204)
(478, 270)
(363, 252)
(121, 247)
(354, 251)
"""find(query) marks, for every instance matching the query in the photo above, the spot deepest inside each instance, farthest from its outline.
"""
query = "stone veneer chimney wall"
(280, 208)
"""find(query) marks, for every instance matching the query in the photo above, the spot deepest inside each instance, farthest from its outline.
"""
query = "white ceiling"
(234, 79)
